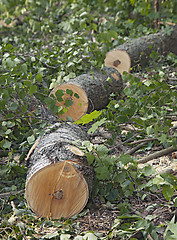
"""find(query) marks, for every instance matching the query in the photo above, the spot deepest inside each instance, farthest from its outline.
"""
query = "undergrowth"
(51, 42)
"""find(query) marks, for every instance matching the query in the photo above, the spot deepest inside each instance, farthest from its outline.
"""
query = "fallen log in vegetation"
(59, 179)
(138, 51)
(86, 92)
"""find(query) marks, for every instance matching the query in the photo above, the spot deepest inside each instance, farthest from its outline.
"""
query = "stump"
(59, 179)
(88, 92)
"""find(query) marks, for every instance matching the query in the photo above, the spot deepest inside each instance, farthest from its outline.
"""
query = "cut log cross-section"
(90, 92)
(59, 179)
(118, 59)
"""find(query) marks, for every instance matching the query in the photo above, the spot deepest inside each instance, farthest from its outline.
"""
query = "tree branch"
(158, 154)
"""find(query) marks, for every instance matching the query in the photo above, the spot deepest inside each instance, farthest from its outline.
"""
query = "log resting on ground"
(59, 179)
(139, 49)
(93, 90)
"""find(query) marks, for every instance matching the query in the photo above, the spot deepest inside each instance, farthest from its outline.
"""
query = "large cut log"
(140, 49)
(59, 179)
(88, 92)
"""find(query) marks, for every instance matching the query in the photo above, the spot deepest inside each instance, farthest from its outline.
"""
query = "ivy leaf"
(33, 89)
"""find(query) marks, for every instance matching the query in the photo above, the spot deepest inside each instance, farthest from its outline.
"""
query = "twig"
(144, 140)
(133, 150)
(7, 194)
(157, 154)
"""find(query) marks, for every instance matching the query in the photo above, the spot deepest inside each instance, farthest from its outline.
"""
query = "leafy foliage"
(45, 43)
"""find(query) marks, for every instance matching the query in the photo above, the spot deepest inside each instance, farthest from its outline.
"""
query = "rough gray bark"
(140, 49)
(98, 86)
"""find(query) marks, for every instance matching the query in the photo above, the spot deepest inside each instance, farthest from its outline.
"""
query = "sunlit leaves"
(88, 117)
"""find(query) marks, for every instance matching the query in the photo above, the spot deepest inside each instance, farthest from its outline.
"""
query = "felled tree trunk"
(140, 49)
(59, 178)
(89, 92)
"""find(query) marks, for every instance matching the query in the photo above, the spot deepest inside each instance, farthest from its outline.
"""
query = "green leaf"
(78, 237)
(13, 106)
(39, 77)
(102, 172)
(90, 158)
(7, 144)
(171, 230)
(10, 124)
(51, 235)
(158, 180)
(148, 170)
(69, 91)
(68, 102)
(125, 159)
(8, 131)
(33, 89)
(65, 236)
(89, 236)
(31, 139)
(102, 150)
(76, 95)
(88, 145)
(96, 125)
(59, 94)
(163, 138)
(24, 68)
(168, 192)
(88, 118)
